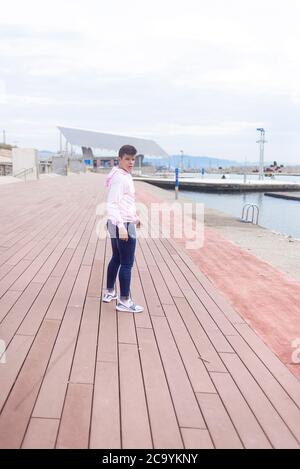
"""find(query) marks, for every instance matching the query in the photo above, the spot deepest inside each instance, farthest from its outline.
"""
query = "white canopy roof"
(92, 139)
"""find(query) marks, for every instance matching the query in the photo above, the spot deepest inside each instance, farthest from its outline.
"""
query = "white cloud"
(219, 130)
(3, 95)
(200, 74)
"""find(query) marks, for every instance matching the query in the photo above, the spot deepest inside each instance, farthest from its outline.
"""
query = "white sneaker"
(108, 296)
(130, 307)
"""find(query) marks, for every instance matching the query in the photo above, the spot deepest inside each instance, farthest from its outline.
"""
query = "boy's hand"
(123, 233)
(138, 224)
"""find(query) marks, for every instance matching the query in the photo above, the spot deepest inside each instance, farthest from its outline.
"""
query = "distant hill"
(45, 154)
(196, 162)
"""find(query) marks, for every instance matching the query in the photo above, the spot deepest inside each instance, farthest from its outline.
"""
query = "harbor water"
(279, 215)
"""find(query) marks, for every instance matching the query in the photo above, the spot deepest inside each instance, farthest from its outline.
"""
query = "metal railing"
(245, 214)
(23, 173)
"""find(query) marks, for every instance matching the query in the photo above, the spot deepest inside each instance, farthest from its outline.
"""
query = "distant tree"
(6, 146)
(275, 163)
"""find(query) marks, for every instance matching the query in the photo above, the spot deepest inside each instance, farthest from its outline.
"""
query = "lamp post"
(60, 143)
(140, 158)
(262, 141)
(181, 151)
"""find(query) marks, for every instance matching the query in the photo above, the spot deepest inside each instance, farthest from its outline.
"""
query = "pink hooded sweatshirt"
(121, 197)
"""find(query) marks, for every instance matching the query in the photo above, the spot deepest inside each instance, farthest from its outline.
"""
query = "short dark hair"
(127, 150)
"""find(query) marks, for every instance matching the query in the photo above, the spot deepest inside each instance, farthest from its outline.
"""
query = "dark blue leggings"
(122, 257)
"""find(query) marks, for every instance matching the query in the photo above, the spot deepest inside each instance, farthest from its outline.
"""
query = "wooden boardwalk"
(187, 373)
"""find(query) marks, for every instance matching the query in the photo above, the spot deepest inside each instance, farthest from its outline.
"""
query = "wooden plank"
(19, 240)
(221, 429)
(51, 397)
(141, 320)
(168, 246)
(274, 427)
(194, 302)
(33, 253)
(77, 297)
(134, 416)
(244, 421)
(212, 320)
(215, 318)
(95, 284)
(7, 301)
(17, 411)
(4, 269)
(218, 339)
(75, 421)
(288, 410)
(194, 366)
(149, 259)
(216, 313)
(105, 422)
(21, 253)
(159, 281)
(173, 286)
(108, 342)
(41, 434)
(233, 316)
(46, 270)
(287, 380)
(160, 284)
(15, 355)
(13, 320)
(91, 249)
(83, 368)
(8, 281)
(15, 231)
(184, 400)
(37, 311)
(195, 438)
(153, 303)
(100, 249)
(42, 265)
(126, 328)
(139, 257)
(204, 346)
(164, 426)
(28, 275)
(34, 231)
(63, 263)
(60, 300)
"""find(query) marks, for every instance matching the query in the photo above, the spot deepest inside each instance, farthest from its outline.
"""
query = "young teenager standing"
(122, 221)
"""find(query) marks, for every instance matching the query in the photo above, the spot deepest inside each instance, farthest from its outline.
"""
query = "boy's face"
(127, 162)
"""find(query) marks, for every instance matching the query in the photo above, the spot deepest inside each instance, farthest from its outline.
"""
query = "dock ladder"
(255, 213)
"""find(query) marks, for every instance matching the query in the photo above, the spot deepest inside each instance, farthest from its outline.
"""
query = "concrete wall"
(76, 166)
(25, 158)
(59, 165)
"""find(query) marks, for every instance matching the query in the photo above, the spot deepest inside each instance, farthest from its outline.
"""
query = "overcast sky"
(198, 76)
